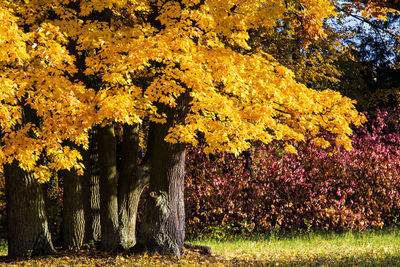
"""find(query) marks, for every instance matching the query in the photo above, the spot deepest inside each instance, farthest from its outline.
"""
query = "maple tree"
(186, 66)
(36, 96)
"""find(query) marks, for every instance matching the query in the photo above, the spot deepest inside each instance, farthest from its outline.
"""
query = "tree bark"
(94, 192)
(79, 225)
(162, 228)
(132, 180)
(163, 225)
(95, 206)
(108, 187)
(73, 212)
(86, 196)
(28, 231)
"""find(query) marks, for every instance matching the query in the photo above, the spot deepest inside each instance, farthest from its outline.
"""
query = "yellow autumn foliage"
(83, 62)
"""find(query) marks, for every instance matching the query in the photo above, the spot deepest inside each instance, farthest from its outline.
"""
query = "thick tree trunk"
(77, 221)
(28, 232)
(78, 225)
(73, 212)
(163, 224)
(94, 194)
(132, 180)
(108, 187)
(86, 197)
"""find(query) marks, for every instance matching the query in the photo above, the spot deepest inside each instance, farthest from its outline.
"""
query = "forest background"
(300, 184)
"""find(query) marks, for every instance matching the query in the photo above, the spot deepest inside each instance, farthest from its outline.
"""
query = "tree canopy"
(75, 63)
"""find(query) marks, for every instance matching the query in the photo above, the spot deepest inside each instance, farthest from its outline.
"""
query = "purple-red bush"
(316, 189)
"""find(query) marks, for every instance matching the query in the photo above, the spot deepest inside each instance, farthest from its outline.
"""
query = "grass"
(3, 247)
(370, 248)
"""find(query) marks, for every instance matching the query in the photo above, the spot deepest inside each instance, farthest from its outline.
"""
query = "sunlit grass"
(3, 247)
(369, 248)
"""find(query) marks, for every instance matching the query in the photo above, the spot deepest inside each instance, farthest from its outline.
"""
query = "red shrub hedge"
(316, 189)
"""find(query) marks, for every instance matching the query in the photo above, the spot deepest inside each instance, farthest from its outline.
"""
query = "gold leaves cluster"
(77, 63)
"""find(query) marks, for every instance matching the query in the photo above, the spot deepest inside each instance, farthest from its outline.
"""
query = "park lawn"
(370, 248)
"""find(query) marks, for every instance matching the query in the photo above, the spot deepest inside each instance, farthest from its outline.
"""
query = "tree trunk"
(86, 196)
(95, 206)
(78, 225)
(108, 187)
(73, 212)
(28, 232)
(163, 226)
(132, 180)
(94, 194)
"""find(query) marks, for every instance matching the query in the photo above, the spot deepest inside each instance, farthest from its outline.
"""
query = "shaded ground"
(95, 257)
(369, 248)
(194, 258)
